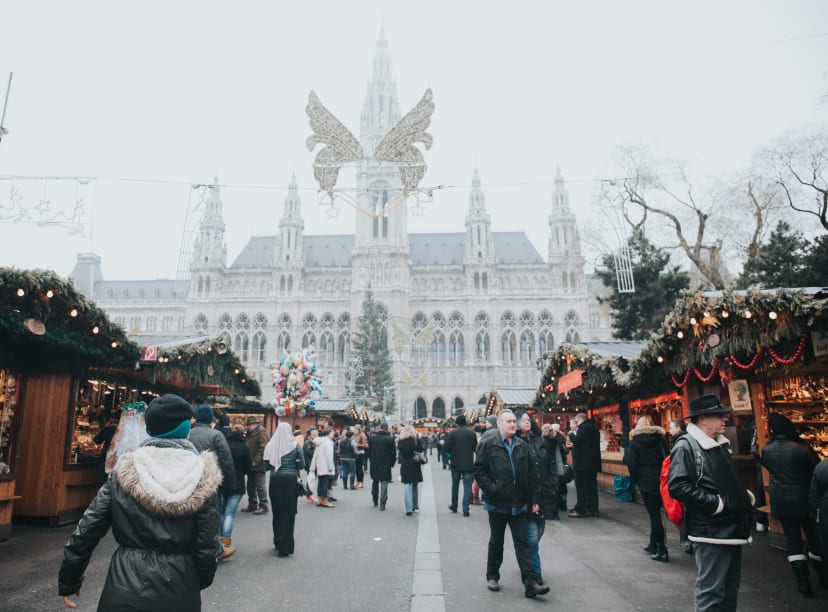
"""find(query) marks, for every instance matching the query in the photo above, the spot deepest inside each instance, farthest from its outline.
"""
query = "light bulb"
(20, 293)
(725, 314)
(680, 335)
(95, 329)
(748, 314)
(772, 315)
(692, 320)
(73, 312)
(660, 359)
(50, 294)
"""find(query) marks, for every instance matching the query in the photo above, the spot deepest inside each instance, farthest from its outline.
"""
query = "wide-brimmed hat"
(253, 419)
(708, 404)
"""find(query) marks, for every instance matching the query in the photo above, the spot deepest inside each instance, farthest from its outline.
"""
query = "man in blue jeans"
(510, 489)
(460, 444)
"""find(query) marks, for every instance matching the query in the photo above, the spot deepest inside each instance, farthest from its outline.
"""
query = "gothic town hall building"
(467, 311)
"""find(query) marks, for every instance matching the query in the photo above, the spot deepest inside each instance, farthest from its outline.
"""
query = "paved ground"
(357, 558)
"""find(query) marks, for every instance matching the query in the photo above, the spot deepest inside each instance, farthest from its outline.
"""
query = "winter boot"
(229, 549)
(352, 483)
(661, 554)
(800, 569)
(821, 569)
(651, 548)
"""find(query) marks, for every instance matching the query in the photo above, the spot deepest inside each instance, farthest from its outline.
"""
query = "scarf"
(280, 445)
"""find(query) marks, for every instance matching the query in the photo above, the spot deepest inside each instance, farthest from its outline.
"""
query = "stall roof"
(515, 397)
(621, 348)
(333, 405)
(167, 341)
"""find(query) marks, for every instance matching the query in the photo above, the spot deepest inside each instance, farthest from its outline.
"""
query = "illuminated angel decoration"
(419, 344)
(396, 147)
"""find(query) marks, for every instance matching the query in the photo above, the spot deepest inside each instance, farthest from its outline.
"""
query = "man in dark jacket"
(716, 506)
(818, 510)
(460, 444)
(383, 457)
(257, 439)
(790, 462)
(204, 437)
(164, 512)
(510, 489)
(586, 461)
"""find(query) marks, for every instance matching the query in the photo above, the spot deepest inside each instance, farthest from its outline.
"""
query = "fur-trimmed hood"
(647, 429)
(169, 477)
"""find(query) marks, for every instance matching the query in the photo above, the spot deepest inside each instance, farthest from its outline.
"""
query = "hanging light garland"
(802, 341)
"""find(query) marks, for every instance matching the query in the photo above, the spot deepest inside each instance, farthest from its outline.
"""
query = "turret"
(291, 226)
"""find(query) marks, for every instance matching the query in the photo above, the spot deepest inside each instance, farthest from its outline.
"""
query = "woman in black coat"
(645, 454)
(411, 472)
(790, 463)
(160, 501)
(818, 507)
(243, 466)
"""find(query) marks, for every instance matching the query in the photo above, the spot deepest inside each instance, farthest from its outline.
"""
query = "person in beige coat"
(323, 464)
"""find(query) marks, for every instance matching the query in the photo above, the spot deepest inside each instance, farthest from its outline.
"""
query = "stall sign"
(740, 395)
(820, 341)
(150, 353)
(570, 381)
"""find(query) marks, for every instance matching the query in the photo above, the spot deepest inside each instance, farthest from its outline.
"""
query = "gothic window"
(259, 321)
(545, 319)
(344, 321)
(225, 322)
(527, 347)
(476, 280)
(457, 406)
(507, 319)
(308, 339)
(282, 283)
(290, 283)
(456, 320)
(242, 347)
(485, 282)
(283, 343)
(344, 347)
(382, 313)
(481, 319)
(508, 344)
(546, 341)
(206, 286)
(418, 322)
(456, 348)
(199, 323)
(438, 408)
(309, 321)
(439, 320)
(572, 336)
(242, 322)
(482, 348)
(284, 321)
(326, 348)
(571, 319)
(420, 411)
(259, 347)
(438, 349)
(564, 281)
(572, 282)
(326, 321)
(152, 324)
(167, 323)
(379, 196)
(527, 319)
(200, 285)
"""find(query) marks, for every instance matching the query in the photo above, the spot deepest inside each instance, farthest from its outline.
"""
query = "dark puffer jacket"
(205, 438)
(501, 487)
(790, 463)
(719, 479)
(242, 465)
(541, 462)
(586, 448)
(645, 454)
(818, 499)
(167, 543)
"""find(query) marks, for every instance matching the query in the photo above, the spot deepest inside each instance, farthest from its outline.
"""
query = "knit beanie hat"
(204, 414)
(224, 420)
(166, 413)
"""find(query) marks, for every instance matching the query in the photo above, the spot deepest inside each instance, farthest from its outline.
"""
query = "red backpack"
(673, 508)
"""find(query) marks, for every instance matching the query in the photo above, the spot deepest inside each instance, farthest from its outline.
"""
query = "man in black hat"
(257, 439)
(716, 507)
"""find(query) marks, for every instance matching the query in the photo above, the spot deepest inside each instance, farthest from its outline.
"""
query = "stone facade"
(466, 311)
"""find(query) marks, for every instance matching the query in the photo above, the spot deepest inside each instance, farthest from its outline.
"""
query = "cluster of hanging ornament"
(295, 378)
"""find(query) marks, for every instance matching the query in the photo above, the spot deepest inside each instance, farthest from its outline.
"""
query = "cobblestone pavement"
(355, 557)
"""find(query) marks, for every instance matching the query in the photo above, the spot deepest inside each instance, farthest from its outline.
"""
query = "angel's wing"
(409, 380)
(422, 381)
(397, 144)
(341, 145)
(400, 337)
(424, 337)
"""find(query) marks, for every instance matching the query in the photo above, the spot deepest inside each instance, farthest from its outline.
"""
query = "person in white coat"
(323, 464)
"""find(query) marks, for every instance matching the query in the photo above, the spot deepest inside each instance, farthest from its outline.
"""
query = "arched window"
(572, 282)
(259, 321)
(259, 347)
(200, 285)
(309, 321)
(507, 320)
(308, 339)
(485, 281)
(207, 285)
(438, 349)
(420, 410)
(344, 321)
(546, 342)
(572, 336)
(477, 280)
(456, 348)
(290, 283)
(509, 346)
(242, 322)
(326, 321)
(326, 348)
(283, 343)
(482, 348)
(571, 319)
(225, 322)
(456, 320)
(527, 347)
(438, 408)
(282, 283)
(457, 406)
(242, 347)
(344, 347)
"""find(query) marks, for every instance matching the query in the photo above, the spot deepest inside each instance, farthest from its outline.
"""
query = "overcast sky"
(150, 97)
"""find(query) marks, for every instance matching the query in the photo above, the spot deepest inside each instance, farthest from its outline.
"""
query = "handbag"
(568, 474)
(420, 457)
(301, 491)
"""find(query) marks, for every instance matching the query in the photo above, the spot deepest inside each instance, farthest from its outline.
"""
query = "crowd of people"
(177, 495)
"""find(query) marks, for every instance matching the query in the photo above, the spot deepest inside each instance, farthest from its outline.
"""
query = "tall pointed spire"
(209, 247)
(479, 242)
(477, 200)
(380, 110)
(291, 225)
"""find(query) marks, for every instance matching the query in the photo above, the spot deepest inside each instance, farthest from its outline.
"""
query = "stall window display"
(804, 400)
(9, 419)
(96, 402)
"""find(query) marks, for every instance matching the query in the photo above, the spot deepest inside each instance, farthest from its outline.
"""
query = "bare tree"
(698, 220)
(800, 168)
